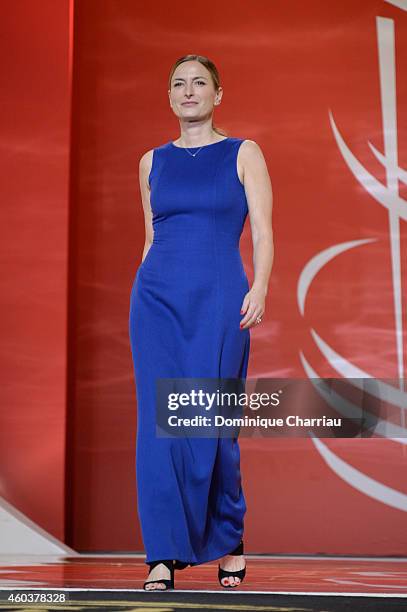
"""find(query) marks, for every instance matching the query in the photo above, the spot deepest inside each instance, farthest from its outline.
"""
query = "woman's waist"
(195, 239)
(194, 256)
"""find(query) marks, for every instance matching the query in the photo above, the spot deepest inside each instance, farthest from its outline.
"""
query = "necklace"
(200, 148)
(192, 154)
(196, 152)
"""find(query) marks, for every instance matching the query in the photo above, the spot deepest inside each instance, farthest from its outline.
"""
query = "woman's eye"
(199, 82)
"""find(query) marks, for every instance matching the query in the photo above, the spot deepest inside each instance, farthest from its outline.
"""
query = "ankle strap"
(167, 562)
(238, 550)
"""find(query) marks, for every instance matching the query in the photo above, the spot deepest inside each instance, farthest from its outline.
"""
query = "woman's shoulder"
(146, 161)
(249, 145)
(249, 149)
(147, 156)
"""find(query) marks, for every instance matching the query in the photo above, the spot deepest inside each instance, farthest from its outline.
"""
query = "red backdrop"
(305, 82)
(35, 45)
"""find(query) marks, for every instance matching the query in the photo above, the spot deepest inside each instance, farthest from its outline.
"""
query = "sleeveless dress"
(184, 322)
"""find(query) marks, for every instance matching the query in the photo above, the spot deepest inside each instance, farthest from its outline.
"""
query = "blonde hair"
(213, 72)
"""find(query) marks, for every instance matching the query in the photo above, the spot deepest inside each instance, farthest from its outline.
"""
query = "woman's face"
(192, 82)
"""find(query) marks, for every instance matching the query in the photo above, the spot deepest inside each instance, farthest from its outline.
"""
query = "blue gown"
(184, 322)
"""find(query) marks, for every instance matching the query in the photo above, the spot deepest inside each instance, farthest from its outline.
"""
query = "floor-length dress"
(184, 322)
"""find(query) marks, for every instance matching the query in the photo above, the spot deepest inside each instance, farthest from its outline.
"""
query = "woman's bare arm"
(144, 172)
(258, 189)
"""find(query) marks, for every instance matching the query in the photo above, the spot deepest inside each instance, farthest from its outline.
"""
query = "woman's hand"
(253, 307)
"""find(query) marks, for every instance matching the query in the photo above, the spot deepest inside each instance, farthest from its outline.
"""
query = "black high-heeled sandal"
(169, 584)
(236, 574)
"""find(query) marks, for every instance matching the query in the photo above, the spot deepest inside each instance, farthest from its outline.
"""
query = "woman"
(190, 314)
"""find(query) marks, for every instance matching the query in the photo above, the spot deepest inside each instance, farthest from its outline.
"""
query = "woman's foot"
(159, 572)
(232, 563)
